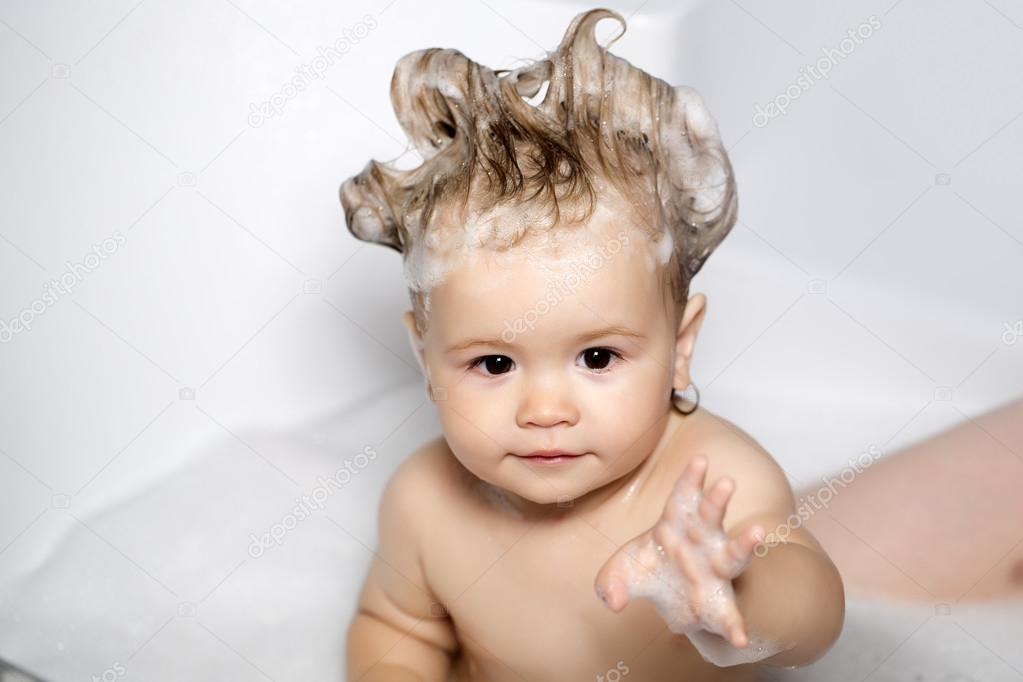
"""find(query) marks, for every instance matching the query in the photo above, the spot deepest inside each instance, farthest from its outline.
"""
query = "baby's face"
(528, 353)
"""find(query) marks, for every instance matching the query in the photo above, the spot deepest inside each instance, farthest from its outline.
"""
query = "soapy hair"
(603, 125)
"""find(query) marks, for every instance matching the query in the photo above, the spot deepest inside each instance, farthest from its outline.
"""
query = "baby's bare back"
(510, 598)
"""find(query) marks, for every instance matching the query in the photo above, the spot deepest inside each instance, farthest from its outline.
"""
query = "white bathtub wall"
(889, 187)
(226, 355)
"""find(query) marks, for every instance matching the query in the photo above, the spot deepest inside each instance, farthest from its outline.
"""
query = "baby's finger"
(686, 491)
(613, 578)
(685, 563)
(693, 475)
(713, 504)
(739, 551)
(736, 628)
(690, 482)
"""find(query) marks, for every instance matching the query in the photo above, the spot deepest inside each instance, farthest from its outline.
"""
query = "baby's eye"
(599, 358)
(494, 364)
(595, 359)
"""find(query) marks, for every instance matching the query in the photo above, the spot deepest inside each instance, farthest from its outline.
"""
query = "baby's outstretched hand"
(685, 564)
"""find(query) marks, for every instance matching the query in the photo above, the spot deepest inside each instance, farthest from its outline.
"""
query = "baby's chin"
(560, 486)
(514, 498)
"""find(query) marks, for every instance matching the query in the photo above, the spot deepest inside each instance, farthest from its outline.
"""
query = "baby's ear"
(689, 327)
(415, 340)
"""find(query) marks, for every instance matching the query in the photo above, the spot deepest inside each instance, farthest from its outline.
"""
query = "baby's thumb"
(612, 584)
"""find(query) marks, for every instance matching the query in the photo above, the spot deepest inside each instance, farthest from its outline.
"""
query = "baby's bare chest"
(522, 600)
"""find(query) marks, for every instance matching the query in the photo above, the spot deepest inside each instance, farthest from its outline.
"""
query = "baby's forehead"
(609, 239)
(608, 267)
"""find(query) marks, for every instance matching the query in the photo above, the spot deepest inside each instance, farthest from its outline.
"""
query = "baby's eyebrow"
(613, 330)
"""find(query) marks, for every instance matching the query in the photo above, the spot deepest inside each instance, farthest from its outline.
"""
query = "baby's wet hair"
(603, 126)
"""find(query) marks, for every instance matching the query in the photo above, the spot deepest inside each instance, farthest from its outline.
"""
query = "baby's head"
(535, 222)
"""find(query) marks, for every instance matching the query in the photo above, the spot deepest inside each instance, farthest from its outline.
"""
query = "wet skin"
(489, 565)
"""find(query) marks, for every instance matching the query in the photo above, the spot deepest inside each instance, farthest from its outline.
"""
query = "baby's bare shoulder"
(761, 485)
(425, 468)
(422, 485)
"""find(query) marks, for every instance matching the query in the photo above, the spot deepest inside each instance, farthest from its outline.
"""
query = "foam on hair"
(603, 126)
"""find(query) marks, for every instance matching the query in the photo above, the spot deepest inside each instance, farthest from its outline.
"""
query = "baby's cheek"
(623, 427)
(466, 430)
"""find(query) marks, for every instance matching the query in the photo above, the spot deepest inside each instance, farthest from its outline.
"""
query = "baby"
(562, 527)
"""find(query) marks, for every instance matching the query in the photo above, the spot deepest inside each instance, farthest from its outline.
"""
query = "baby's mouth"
(550, 456)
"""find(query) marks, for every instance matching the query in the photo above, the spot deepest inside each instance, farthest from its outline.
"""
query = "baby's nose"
(547, 403)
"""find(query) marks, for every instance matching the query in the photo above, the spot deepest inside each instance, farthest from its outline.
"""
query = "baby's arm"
(400, 632)
(791, 591)
(703, 570)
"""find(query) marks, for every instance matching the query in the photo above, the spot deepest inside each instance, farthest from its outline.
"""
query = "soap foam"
(562, 252)
(699, 616)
